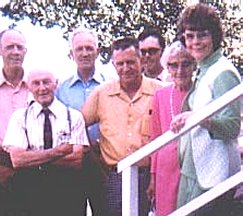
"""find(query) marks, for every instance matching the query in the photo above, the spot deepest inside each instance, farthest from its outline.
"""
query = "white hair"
(83, 30)
(170, 50)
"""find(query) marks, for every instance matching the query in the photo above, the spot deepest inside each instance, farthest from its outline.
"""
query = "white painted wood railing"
(130, 171)
(210, 195)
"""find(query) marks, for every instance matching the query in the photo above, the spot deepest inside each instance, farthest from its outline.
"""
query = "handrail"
(192, 121)
(210, 195)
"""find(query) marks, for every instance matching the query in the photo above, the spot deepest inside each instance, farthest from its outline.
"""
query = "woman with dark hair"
(208, 153)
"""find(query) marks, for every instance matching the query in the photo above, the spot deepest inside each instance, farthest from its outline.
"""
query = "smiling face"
(181, 66)
(84, 51)
(150, 54)
(199, 44)
(13, 49)
(42, 85)
(128, 66)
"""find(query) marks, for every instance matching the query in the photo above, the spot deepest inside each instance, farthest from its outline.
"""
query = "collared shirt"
(32, 119)
(12, 98)
(124, 122)
(74, 92)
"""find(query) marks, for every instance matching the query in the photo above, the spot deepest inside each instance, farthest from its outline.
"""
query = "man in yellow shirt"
(123, 108)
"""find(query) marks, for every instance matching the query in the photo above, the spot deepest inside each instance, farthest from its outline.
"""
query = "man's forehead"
(149, 42)
(40, 75)
(12, 34)
(84, 37)
(122, 53)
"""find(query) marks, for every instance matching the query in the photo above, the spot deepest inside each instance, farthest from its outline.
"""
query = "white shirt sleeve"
(78, 130)
(15, 135)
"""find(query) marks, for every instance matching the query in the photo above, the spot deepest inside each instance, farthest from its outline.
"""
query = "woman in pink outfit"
(167, 102)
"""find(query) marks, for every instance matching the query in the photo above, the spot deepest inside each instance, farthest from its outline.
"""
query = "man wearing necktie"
(45, 142)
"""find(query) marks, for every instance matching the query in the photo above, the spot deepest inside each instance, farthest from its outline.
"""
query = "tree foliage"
(116, 19)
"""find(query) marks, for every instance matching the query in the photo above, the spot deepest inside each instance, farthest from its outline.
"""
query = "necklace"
(172, 112)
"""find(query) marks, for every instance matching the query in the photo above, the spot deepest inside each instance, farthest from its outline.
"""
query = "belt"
(113, 168)
(47, 169)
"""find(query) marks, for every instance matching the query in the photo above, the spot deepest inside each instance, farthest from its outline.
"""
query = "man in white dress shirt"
(47, 179)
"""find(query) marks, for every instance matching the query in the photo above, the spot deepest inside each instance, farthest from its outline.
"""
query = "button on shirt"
(124, 122)
(74, 92)
(12, 98)
(35, 123)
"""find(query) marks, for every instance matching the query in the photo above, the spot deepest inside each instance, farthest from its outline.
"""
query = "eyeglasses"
(200, 35)
(150, 51)
(183, 65)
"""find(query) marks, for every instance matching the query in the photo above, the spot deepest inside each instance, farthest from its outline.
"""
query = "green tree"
(118, 19)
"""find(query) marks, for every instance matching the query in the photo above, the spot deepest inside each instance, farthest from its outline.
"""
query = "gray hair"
(83, 30)
(172, 49)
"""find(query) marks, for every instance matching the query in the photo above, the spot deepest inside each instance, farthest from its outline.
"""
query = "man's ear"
(98, 52)
(161, 52)
(70, 55)
(25, 50)
(56, 83)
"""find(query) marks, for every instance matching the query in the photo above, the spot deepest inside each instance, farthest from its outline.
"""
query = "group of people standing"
(60, 143)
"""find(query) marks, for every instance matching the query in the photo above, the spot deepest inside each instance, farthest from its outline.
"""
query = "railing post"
(130, 191)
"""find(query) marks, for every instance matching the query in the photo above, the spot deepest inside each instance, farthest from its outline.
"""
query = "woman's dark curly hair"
(200, 17)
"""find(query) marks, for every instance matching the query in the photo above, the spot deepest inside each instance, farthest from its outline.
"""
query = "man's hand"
(5, 173)
(64, 149)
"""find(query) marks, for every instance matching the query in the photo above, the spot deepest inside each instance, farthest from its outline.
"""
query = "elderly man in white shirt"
(46, 156)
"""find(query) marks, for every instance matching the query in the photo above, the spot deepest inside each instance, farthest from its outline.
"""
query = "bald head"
(40, 73)
(42, 84)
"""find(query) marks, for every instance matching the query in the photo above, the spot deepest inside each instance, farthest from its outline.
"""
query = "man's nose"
(16, 49)
(85, 52)
(42, 85)
(126, 66)
(180, 69)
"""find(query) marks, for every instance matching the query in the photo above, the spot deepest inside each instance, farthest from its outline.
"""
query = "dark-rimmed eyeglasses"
(200, 35)
(150, 51)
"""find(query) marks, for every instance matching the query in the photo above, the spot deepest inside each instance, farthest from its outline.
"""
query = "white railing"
(210, 195)
(129, 169)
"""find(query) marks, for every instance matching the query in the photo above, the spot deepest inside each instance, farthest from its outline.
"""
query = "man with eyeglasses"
(13, 95)
(151, 45)
(46, 142)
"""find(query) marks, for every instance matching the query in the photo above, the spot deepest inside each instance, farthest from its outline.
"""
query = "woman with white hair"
(167, 102)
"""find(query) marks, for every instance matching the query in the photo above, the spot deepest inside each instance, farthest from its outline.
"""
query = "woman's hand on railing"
(179, 121)
(151, 188)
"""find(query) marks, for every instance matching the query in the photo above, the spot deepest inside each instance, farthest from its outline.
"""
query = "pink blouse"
(167, 102)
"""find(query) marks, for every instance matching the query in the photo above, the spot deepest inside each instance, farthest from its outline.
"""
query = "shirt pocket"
(146, 128)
